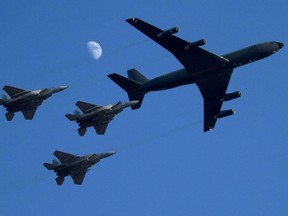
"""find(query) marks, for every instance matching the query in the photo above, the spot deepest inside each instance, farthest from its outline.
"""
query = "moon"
(94, 49)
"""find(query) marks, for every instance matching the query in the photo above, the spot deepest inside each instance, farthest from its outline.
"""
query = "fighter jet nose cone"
(280, 45)
(63, 87)
(134, 102)
(110, 154)
(105, 155)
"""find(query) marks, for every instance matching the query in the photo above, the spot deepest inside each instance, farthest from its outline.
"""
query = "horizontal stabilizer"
(71, 117)
(127, 84)
(49, 166)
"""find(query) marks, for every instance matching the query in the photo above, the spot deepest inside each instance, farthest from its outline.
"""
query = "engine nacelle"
(231, 96)
(195, 44)
(168, 32)
(225, 113)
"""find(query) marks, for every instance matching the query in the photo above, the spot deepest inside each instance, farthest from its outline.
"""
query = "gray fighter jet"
(73, 165)
(96, 116)
(25, 101)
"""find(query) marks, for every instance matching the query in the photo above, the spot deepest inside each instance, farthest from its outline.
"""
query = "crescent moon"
(94, 49)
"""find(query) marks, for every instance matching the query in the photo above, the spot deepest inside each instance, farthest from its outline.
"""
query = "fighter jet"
(96, 116)
(73, 165)
(210, 72)
(25, 101)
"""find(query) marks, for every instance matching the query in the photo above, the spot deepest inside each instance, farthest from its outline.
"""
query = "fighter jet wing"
(78, 179)
(29, 114)
(100, 129)
(11, 91)
(62, 156)
(83, 106)
(213, 90)
(193, 59)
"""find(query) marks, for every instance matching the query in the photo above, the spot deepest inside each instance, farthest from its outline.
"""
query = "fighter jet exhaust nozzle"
(168, 32)
(231, 96)
(195, 44)
(225, 113)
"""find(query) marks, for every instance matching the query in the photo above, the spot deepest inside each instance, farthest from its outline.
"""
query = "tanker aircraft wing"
(213, 90)
(188, 54)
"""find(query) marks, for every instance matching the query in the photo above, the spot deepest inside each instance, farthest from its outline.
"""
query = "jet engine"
(231, 96)
(225, 113)
(195, 44)
(168, 32)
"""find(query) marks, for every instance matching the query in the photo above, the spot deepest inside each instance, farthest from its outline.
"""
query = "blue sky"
(165, 164)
